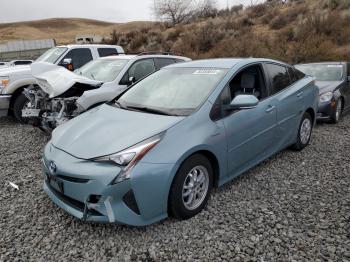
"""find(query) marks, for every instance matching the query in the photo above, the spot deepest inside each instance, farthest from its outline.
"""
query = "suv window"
(348, 68)
(279, 77)
(22, 62)
(79, 56)
(139, 70)
(102, 52)
(162, 62)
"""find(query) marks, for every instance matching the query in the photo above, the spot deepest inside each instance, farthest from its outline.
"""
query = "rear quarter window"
(162, 62)
(102, 52)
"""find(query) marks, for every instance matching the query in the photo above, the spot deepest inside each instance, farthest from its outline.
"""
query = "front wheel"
(20, 103)
(336, 115)
(191, 187)
(304, 132)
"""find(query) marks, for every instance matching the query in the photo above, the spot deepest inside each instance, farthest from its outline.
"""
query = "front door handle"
(270, 109)
(300, 94)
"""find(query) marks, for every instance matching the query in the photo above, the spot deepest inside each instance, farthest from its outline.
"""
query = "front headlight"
(4, 81)
(326, 97)
(129, 157)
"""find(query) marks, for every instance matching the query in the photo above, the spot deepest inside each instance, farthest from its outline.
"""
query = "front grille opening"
(93, 199)
(72, 202)
(73, 179)
(130, 201)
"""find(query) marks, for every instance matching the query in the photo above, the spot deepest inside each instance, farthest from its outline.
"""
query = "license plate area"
(55, 183)
(30, 112)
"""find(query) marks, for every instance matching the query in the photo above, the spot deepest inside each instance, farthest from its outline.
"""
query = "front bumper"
(4, 104)
(325, 110)
(86, 192)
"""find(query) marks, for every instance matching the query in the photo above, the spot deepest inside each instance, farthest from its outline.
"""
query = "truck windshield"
(323, 72)
(52, 55)
(105, 70)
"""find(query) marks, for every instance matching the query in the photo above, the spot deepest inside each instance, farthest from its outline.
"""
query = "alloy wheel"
(195, 187)
(305, 131)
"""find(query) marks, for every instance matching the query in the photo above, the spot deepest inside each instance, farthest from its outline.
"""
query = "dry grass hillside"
(288, 30)
(63, 30)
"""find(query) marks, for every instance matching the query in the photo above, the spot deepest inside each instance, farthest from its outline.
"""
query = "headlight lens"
(128, 158)
(326, 97)
(4, 81)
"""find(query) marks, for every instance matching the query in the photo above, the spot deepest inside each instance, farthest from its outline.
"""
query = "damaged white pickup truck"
(61, 95)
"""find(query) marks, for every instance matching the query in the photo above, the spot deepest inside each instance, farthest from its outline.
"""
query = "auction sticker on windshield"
(206, 72)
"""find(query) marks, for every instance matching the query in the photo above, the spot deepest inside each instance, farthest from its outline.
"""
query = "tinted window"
(348, 66)
(22, 62)
(139, 70)
(279, 77)
(107, 51)
(292, 75)
(161, 62)
(177, 60)
(79, 56)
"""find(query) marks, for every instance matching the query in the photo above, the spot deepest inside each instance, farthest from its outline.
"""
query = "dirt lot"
(295, 206)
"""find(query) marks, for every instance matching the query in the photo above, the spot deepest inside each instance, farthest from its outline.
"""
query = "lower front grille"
(72, 202)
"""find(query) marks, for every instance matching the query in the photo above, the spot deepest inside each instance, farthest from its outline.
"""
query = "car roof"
(89, 45)
(325, 63)
(136, 57)
(226, 63)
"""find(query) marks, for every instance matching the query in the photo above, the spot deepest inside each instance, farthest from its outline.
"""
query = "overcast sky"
(107, 10)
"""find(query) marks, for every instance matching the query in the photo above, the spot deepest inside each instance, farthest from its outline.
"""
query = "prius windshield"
(323, 72)
(105, 70)
(52, 55)
(172, 91)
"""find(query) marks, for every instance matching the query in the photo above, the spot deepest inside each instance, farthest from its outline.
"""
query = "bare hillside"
(63, 30)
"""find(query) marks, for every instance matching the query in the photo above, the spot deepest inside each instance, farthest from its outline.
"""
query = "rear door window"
(102, 52)
(279, 77)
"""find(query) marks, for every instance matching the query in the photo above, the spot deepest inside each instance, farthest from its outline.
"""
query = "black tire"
(18, 105)
(300, 144)
(177, 207)
(335, 117)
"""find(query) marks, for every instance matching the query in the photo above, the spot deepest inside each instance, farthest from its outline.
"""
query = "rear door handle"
(270, 109)
(300, 94)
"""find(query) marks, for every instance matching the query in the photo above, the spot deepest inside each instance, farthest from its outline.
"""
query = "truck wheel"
(20, 103)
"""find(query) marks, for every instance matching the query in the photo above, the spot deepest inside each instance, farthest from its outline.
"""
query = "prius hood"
(106, 130)
(327, 86)
(55, 80)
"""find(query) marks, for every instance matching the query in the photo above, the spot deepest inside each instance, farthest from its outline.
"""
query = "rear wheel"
(336, 115)
(304, 132)
(20, 103)
(191, 187)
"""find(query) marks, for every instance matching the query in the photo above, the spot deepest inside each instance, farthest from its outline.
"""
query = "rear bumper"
(4, 104)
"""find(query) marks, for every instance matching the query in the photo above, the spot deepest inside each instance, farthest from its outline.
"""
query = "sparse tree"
(181, 11)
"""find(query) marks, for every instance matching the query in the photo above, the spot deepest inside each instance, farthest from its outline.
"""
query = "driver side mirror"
(68, 63)
(131, 80)
(243, 102)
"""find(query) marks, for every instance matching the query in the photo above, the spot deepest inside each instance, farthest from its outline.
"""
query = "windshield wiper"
(150, 110)
(92, 75)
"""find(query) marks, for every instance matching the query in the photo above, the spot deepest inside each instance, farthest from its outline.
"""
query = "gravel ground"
(295, 206)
